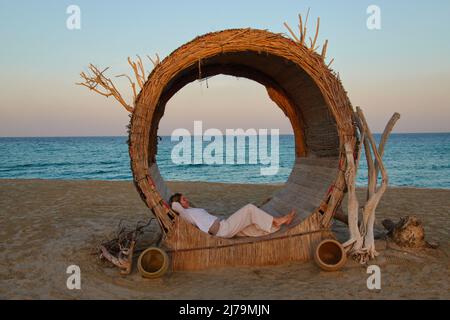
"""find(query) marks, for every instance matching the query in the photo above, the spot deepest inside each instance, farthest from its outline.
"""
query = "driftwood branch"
(408, 232)
(125, 259)
(361, 244)
(120, 249)
(132, 84)
(384, 137)
(138, 70)
(356, 239)
(95, 80)
(102, 85)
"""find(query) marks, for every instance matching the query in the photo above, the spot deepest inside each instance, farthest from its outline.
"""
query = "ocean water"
(418, 160)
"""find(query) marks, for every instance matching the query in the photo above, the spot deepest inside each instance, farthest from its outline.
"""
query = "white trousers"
(249, 221)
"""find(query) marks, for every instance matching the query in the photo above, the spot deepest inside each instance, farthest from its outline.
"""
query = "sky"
(403, 67)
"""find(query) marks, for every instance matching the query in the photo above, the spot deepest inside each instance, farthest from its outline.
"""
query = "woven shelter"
(308, 92)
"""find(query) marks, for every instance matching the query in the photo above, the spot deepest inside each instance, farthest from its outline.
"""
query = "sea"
(412, 159)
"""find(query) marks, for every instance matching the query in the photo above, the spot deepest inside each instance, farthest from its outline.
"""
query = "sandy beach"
(47, 225)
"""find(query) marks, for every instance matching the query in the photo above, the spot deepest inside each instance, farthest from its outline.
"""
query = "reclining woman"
(249, 221)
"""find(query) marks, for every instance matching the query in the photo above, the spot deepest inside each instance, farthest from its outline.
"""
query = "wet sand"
(48, 225)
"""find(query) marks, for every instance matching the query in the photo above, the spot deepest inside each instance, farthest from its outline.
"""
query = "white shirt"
(197, 216)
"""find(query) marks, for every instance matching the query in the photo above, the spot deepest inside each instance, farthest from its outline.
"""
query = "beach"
(48, 225)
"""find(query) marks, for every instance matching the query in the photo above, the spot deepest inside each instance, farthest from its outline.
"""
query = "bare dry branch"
(306, 23)
(313, 44)
(329, 63)
(102, 85)
(384, 137)
(156, 61)
(141, 67)
(139, 77)
(364, 250)
(132, 84)
(300, 28)
(291, 32)
(355, 242)
(99, 83)
(120, 249)
(300, 39)
(324, 50)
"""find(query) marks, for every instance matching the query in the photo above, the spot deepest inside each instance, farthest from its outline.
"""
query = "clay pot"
(153, 263)
(330, 255)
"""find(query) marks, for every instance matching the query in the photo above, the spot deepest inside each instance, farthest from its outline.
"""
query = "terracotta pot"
(330, 255)
(153, 263)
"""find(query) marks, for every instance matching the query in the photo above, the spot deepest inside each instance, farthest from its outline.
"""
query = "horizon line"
(113, 136)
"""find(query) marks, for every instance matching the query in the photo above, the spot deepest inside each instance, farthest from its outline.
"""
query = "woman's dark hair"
(176, 197)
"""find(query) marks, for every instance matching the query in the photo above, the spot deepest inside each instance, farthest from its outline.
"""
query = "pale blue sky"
(403, 67)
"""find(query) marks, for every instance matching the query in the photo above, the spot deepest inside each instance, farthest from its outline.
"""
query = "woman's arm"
(178, 208)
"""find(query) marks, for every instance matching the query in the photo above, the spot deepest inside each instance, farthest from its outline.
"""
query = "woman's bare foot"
(290, 216)
(277, 222)
(286, 219)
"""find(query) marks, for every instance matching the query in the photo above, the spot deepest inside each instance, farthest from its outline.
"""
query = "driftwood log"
(120, 249)
(361, 245)
(123, 261)
(408, 232)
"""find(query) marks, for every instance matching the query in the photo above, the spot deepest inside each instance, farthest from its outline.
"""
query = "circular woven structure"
(296, 78)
